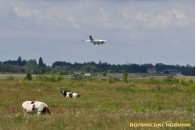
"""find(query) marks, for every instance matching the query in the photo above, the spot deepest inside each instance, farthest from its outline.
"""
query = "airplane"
(95, 41)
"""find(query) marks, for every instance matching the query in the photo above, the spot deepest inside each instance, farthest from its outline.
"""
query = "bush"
(171, 80)
(77, 77)
(125, 77)
(51, 78)
(112, 80)
(187, 83)
(153, 80)
(28, 77)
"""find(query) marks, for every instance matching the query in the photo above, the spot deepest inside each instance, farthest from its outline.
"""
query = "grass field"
(108, 104)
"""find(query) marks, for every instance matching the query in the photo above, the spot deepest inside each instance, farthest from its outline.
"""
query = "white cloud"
(85, 14)
(180, 18)
(162, 20)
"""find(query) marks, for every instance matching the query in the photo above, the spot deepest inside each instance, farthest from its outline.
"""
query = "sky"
(137, 31)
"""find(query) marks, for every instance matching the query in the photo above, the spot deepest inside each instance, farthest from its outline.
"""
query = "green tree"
(125, 76)
(19, 61)
(41, 64)
(28, 76)
(89, 68)
(31, 66)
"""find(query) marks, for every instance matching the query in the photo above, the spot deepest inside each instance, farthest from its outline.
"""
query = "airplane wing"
(87, 40)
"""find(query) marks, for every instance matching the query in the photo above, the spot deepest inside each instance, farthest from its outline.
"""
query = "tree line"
(62, 67)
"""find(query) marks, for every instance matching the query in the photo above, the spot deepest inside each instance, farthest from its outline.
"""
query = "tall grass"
(102, 105)
(49, 78)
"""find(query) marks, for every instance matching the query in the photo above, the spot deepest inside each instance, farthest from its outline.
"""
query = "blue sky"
(146, 31)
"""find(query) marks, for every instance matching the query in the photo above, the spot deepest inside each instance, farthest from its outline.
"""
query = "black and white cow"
(32, 107)
(70, 94)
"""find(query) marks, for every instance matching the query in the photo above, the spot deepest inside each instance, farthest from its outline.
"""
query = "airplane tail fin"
(91, 38)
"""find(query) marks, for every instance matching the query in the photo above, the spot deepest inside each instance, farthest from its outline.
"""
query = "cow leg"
(39, 112)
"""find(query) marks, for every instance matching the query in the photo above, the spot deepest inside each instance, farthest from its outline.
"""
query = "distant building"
(87, 74)
(151, 71)
(173, 72)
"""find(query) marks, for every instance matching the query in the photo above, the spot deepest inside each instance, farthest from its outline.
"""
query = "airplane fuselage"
(96, 41)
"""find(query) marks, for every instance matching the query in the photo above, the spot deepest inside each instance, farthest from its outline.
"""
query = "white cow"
(32, 107)
(70, 94)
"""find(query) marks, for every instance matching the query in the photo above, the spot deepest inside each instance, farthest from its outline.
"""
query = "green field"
(105, 104)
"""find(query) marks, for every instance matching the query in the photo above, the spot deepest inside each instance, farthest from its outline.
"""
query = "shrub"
(171, 80)
(28, 76)
(77, 77)
(51, 78)
(153, 80)
(125, 77)
(112, 80)
(187, 83)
